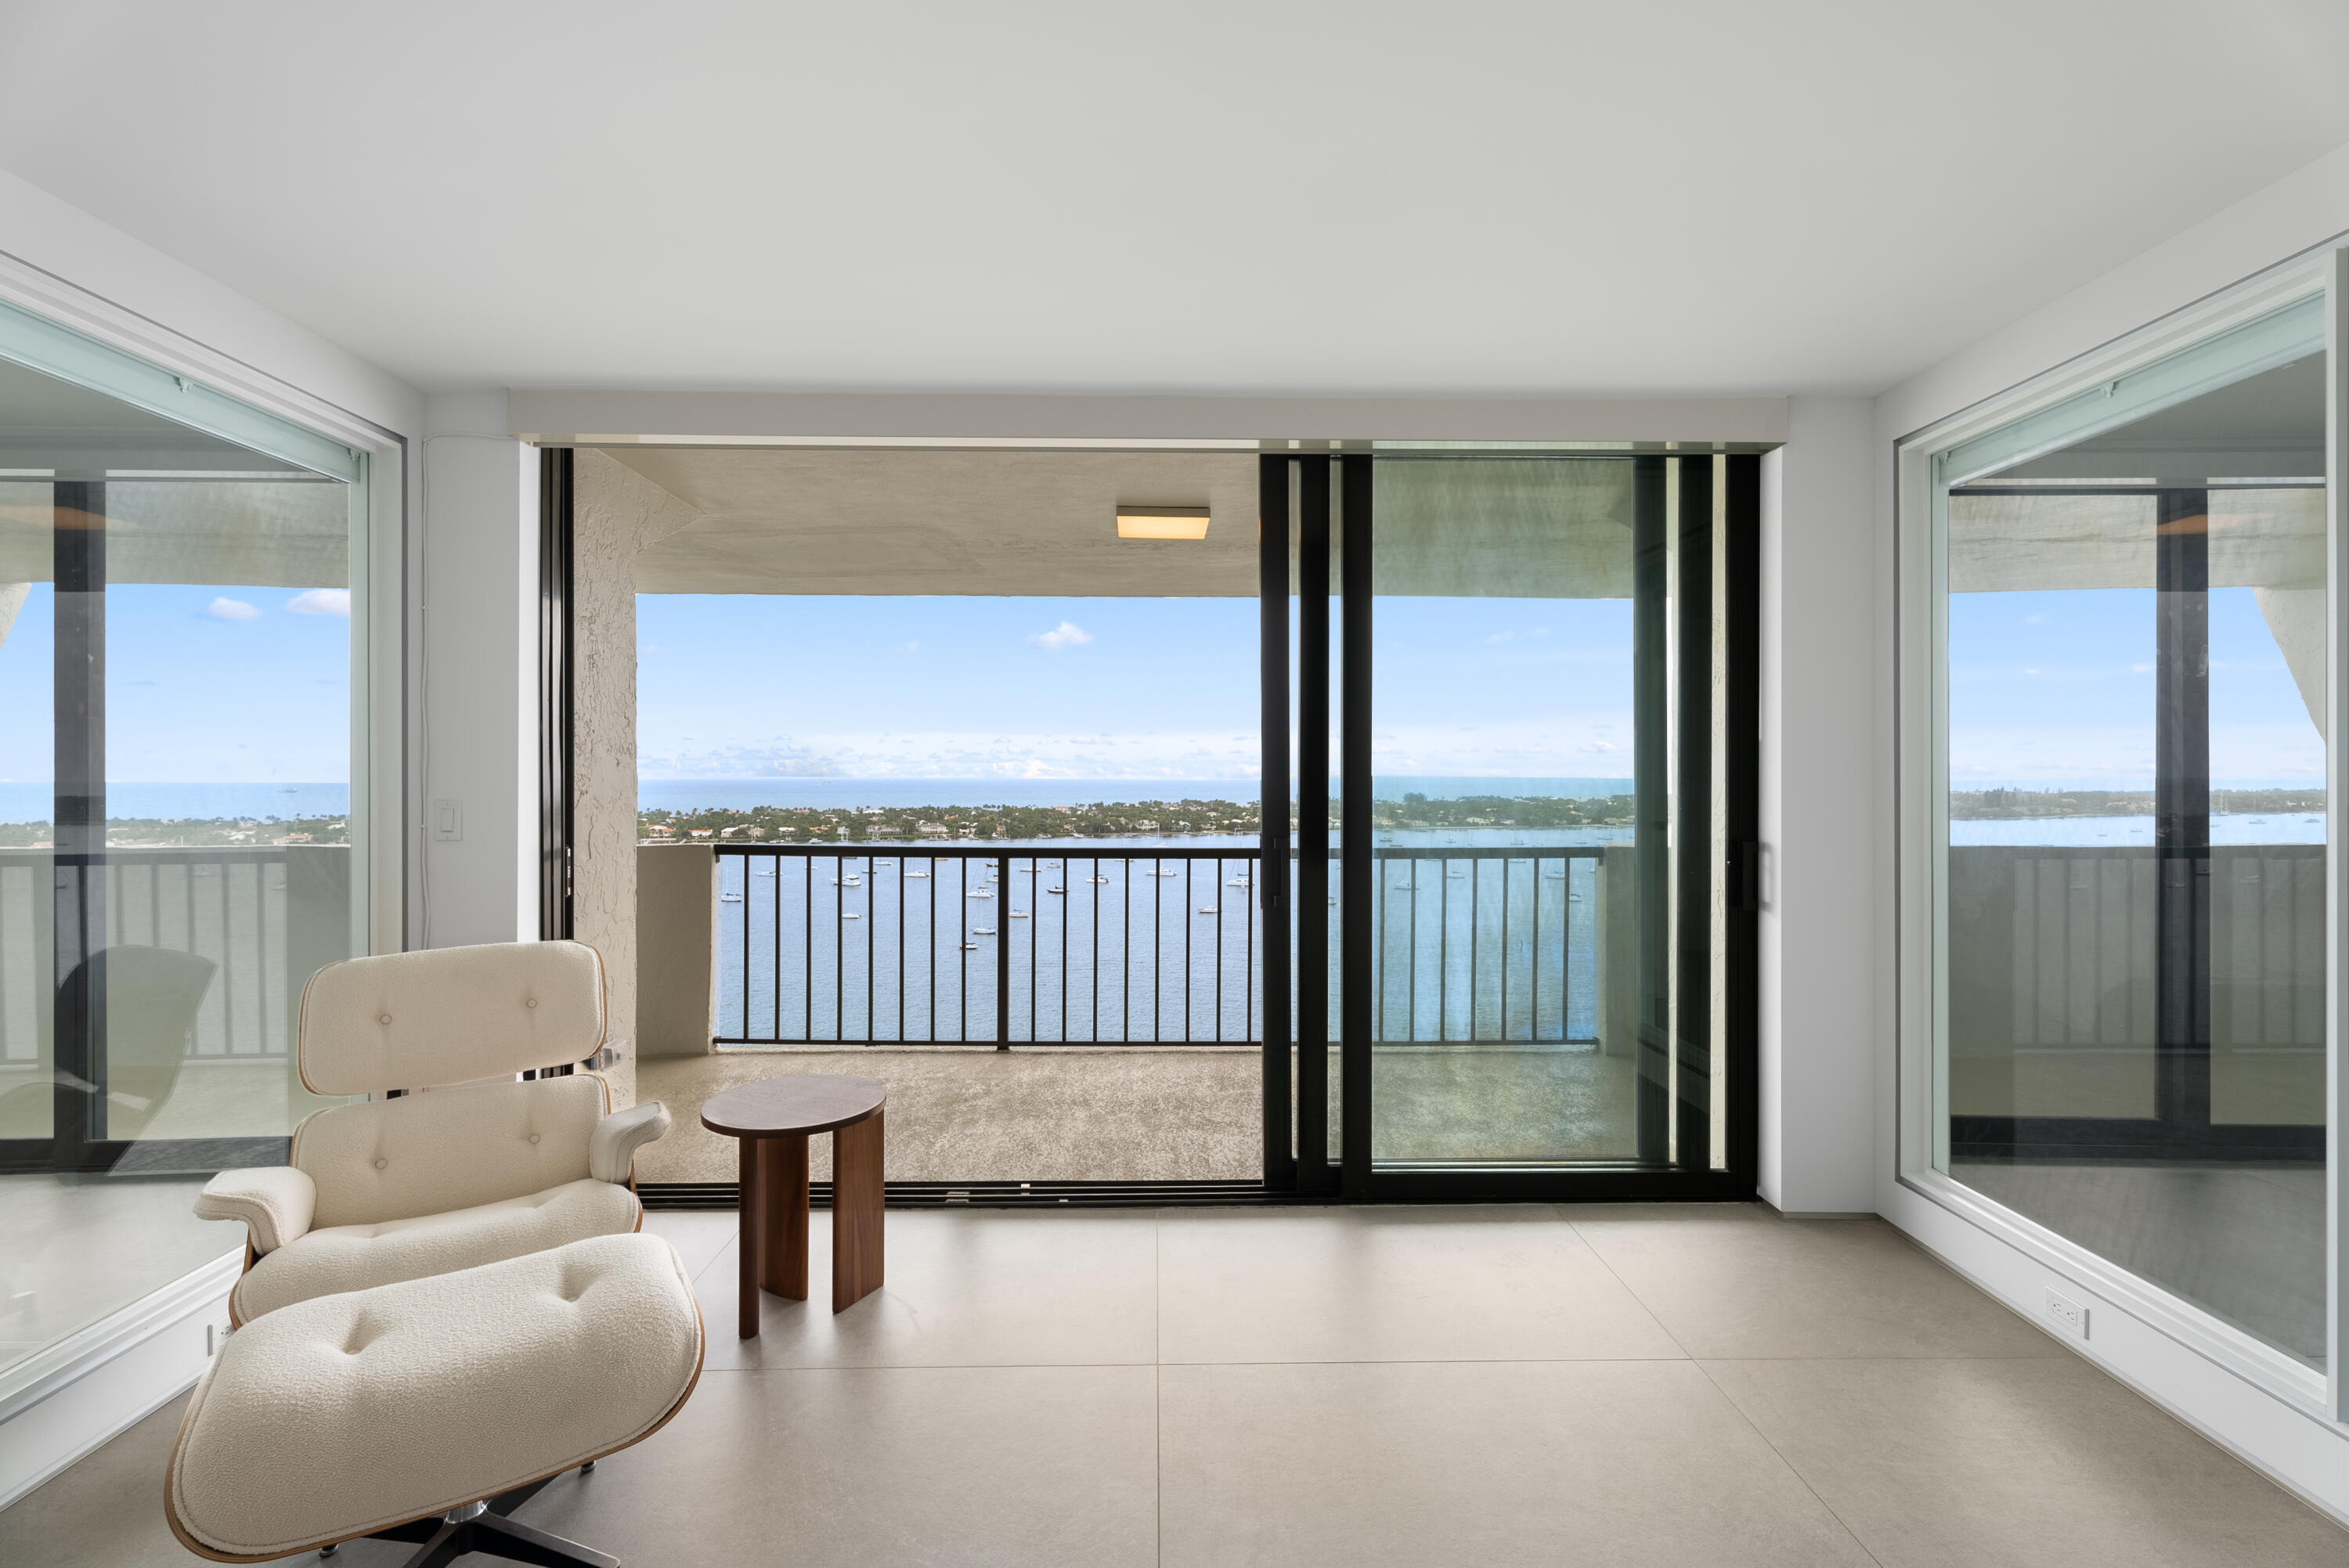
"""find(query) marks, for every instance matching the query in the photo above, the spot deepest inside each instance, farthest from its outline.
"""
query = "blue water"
(1501, 947)
(189, 803)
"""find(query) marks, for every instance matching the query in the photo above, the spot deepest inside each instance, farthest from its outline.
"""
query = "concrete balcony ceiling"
(784, 521)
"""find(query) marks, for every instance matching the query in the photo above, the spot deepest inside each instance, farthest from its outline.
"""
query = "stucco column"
(615, 513)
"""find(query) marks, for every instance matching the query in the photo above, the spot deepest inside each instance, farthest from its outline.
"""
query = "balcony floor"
(1631, 1384)
(1152, 1113)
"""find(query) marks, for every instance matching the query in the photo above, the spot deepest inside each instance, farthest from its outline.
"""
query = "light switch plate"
(448, 822)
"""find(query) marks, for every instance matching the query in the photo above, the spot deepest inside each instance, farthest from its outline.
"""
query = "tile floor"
(1626, 1385)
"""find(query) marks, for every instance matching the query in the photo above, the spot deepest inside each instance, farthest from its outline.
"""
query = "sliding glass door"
(2129, 623)
(1522, 851)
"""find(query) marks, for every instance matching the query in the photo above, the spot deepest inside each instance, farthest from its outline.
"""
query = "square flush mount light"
(1162, 522)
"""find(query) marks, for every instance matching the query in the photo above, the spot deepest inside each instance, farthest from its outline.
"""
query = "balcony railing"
(268, 916)
(988, 945)
(2056, 948)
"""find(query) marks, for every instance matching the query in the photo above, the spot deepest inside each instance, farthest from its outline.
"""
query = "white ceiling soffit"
(1493, 197)
(1029, 523)
(596, 417)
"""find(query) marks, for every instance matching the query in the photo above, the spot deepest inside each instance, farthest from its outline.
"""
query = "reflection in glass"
(175, 858)
(2133, 882)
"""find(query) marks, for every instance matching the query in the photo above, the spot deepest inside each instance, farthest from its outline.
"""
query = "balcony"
(1079, 1013)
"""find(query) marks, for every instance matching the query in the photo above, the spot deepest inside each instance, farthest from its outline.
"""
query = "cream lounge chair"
(457, 1162)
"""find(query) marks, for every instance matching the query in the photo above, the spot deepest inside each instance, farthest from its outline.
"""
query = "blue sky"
(222, 684)
(2056, 689)
(955, 687)
(233, 683)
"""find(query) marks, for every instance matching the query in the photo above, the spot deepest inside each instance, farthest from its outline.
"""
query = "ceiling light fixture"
(1162, 522)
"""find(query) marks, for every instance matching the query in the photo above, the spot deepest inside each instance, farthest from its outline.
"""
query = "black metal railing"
(982, 944)
(826, 944)
(1509, 955)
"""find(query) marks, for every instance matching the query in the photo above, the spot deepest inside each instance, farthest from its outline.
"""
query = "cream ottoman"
(378, 1412)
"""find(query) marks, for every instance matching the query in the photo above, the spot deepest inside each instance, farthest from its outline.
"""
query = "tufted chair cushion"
(449, 1015)
(360, 1257)
(351, 1413)
(449, 1148)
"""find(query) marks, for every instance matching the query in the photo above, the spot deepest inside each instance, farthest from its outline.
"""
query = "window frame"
(93, 342)
(1920, 697)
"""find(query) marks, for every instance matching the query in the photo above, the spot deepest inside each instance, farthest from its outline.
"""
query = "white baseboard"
(85, 1389)
(2287, 1441)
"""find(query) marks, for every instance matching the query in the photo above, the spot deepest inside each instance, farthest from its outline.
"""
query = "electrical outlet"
(448, 822)
(216, 1333)
(2069, 1315)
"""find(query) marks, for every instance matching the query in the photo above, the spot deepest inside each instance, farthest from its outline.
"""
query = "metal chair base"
(484, 1528)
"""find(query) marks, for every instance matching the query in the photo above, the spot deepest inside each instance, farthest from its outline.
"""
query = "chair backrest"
(449, 1015)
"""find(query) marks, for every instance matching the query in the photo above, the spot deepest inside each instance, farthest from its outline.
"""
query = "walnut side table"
(773, 1120)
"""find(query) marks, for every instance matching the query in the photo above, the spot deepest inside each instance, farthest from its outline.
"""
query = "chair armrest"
(276, 1203)
(612, 1148)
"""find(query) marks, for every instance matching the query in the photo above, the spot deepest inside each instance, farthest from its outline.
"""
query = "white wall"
(1820, 741)
(474, 678)
(2297, 1445)
(83, 255)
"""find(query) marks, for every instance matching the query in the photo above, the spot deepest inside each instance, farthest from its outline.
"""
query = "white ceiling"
(1685, 196)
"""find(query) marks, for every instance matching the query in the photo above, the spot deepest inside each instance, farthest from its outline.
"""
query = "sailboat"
(982, 892)
(969, 947)
(919, 876)
(1097, 879)
(730, 898)
(1051, 890)
(850, 914)
(982, 931)
(1209, 909)
(1019, 915)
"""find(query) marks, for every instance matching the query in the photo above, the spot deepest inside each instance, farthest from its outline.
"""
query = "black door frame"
(1296, 495)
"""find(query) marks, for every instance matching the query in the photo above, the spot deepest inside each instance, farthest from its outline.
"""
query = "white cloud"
(1060, 637)
(915, 648)
(231, 610)
(321, 602)
(1597, 745)
(1500, 636)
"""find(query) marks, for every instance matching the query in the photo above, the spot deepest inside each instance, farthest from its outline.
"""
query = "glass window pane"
(2132, 883)
(175, 861)
(1547, 739)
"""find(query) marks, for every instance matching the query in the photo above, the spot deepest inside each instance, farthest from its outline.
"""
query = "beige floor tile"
(969, 1289)
(1476, 1284)
(1737, 1281)
(1493, 1464)
(698, 1235)
(1027, 1466)
(1990, 1462)
(107, 1512)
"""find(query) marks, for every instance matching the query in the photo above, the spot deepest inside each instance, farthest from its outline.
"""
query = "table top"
(801, 1103)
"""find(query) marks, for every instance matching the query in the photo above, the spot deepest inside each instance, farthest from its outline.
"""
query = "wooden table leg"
(784, 1215)
(858, 1203)
(746, 1202)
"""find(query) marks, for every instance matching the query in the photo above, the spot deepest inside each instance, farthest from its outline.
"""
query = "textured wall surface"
(677, 961)
(615, 513)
